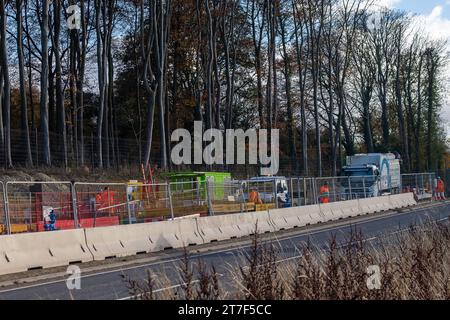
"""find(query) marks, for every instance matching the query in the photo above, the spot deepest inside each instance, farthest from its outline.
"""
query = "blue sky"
(424, 6)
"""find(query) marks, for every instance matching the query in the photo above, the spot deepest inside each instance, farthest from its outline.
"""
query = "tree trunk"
(23, 95)
(44, 85)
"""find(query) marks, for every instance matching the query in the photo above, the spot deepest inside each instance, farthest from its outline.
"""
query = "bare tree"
(45, 133)
(6, 89)
(22, 85)
(301, 53)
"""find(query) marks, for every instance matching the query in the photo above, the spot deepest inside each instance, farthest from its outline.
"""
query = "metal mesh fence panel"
(39, 206)
(229, 197)
(423, 185)
(189, 198)
(148, 202)
(102, 204)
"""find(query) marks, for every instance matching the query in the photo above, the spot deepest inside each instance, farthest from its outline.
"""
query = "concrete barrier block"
(330, 211)
(374, 205)
(403, 200)
(224, 227)
(128, 240)
(174, 234)
(23, 252)
(346, 209)
(262, 219)
(119, 241)
(315, 214)
(283, 219)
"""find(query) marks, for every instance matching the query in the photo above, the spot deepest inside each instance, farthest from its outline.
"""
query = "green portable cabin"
(184, 181)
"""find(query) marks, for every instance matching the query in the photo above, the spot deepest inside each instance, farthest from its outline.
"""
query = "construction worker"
(98, 200)
(440, 189)
(254, 197)
(50, 221)
(325, 193)
(107, 200)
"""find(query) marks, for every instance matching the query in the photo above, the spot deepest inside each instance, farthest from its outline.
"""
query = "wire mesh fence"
(102, 204)
(35, 206)
(422, 185)
(30, 206)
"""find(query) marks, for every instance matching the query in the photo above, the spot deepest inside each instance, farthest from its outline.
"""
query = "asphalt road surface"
(107, 283)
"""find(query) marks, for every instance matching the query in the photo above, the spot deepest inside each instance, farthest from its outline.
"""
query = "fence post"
(350, 188)
(6, 203)
(422, 191)
(128, 204)
(291, 191)
(169, 195)
(316, 193)
(401, 184)
(305, 191)
(364, 187)
(208, 196)
(275, 193)
(74, 204)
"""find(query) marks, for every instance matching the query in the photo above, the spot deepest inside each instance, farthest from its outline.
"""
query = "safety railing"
(29, 206)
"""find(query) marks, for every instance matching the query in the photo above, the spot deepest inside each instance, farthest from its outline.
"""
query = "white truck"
(372, 175)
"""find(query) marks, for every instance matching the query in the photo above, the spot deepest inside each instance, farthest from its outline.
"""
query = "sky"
(433, 16)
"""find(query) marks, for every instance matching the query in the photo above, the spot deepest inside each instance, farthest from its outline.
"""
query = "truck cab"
(371, 175)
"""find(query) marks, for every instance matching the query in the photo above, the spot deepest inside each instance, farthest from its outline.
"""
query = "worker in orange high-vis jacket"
(440, 189)
(254, 197)
(325, 193)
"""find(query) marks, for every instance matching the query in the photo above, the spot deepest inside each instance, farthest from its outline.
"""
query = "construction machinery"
(371, 175)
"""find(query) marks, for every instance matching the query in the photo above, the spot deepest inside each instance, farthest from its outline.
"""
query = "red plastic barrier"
(100, 222)
(84, 223)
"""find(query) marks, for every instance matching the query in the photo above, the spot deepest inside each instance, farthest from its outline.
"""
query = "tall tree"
(6, 89)
(45, 133)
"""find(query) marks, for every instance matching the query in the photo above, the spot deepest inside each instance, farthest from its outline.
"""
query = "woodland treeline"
(337, 77)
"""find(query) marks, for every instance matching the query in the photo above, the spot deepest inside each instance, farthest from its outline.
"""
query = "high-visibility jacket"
(254, 197)
(324, 194)
(98, 200)
(440, 186)
(107, 200)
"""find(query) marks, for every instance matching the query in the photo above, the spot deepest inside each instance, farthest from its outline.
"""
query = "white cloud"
(386, 3)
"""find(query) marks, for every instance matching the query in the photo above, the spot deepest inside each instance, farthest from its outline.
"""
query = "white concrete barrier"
(402, 200)
(225, 227)
(295, 217)
(315, 214)
(373, 205)
(23, 252)
(262, 219)
(347, 209)
(127, 240)
(119, 241)
(330, 211)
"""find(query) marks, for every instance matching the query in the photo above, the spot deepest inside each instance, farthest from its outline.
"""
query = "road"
(108, 284)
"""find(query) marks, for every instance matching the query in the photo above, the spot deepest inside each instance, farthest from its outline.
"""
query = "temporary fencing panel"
(30, 206)
(188, 198)
(102, 204)
(423, 185)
